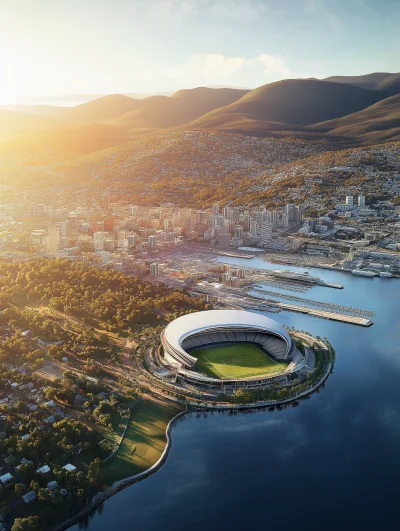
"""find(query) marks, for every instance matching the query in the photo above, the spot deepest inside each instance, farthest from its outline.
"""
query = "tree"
(95, 474)
(32, 523)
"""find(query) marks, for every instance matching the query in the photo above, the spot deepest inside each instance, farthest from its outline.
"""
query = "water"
(331, 463)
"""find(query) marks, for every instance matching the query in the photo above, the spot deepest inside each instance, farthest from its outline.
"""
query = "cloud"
(206, 67)
(217, 68)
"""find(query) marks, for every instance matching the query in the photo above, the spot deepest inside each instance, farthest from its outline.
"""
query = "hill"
(377, 123)
(103, 122)
(186, 167)
(384, 81)
(288, 105)
(16, 123)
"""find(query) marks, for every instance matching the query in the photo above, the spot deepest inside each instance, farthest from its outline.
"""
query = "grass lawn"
(234, 361)
(144, 440)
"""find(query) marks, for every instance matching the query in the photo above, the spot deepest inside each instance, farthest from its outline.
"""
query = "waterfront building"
(265, 234)
(253, 228)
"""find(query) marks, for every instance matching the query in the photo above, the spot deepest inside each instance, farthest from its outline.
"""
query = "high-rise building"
(223, 237)
(152, 240)
(99, 239)
(265, 233)
(189, 225)
(254, 228)
(260, 217)
(65, 229)
(217, 221)
(349, 200)
(225, 212)
(132, 240)
(215, 209)
(53, 240)
(273, 217)
(238, 232)
(154, 269)
(361, 200)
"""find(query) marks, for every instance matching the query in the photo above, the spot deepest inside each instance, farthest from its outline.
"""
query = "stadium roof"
(193, 323)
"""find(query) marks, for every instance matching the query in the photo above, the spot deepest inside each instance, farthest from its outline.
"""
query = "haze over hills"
(341, 113)
(108, 121)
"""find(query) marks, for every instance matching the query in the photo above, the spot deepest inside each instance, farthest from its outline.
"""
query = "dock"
(360, 321)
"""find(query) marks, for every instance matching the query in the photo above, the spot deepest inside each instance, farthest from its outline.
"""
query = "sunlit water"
(331, 463)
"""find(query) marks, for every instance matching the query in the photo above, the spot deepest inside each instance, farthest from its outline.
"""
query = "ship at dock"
(302, 277)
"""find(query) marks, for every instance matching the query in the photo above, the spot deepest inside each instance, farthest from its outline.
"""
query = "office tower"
(349, 200)
(225, 212)
(151, 241)
(236, 214)
(40, 210)
(154, 270)
(254, 228)
(246, 222)
(132, 240)
(223, 237)
(166, 225)
(217, 221)
(53, 240)
(189, 225)
(265, 234)
(361, 200)
(65, 229)
(260, 217)
(238, 232)
(215, 209)
(99, 239)
(300, 213)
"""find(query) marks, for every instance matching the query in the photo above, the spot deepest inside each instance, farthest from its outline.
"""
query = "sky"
(60, 47)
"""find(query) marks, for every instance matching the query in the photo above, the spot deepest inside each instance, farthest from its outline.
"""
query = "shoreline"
(120, 485)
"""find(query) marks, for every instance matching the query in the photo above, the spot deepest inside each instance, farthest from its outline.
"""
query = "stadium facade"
(219, 327)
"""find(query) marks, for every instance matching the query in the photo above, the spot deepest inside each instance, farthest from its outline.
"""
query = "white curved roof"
(193, 323)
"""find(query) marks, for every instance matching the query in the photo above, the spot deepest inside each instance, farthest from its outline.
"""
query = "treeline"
(78, 290)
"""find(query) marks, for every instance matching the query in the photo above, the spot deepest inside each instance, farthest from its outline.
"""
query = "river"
(332, 462)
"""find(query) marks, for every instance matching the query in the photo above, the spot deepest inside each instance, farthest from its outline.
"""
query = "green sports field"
(235, 361)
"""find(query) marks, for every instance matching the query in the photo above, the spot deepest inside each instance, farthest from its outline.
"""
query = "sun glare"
(7, 97)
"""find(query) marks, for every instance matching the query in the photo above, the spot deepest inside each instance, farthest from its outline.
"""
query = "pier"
(351, 319)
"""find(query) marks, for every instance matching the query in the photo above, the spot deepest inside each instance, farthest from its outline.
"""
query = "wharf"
(236, 255)
(361, 321)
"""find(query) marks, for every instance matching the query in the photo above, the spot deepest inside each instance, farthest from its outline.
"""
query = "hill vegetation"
(184, 166)
(292, 102)
(380, 122)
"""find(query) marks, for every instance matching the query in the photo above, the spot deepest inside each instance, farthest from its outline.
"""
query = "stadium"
(229, 349)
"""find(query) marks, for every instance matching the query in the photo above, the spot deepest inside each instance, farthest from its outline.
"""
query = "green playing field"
(236, 361)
